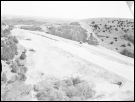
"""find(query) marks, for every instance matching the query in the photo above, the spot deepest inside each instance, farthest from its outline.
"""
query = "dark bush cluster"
(75, 24)
(5, 33)
(8, 52)
(32, 28)
(16, 91)
(127, 53)
(73, 89)
(19, 68)
(129, 38)
(71, 32)
(23, 56)
(3, 78)
(9, 47)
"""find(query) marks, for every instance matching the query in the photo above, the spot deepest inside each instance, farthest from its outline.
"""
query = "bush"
(24, 51)
(32, 28)
(123, 45)
(76, 98)
(15, 40)
(21, 77)
(28, 39)
(5, 33)
(69, 89)
(71, 32)
(3, 78)
(12, 79)
(8, 62)
(32, 50)
(20, 62)
(129, 38)
(127, 53)
(23, 69)
(3, 44)
(23, 56)
(75, 23)
(14, 67)
(7, 53)
(76, 81)
(16, 91)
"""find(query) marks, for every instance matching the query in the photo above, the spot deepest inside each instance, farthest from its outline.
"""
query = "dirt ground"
(56, 58)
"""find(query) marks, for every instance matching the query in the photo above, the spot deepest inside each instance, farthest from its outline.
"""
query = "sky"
(67, 9)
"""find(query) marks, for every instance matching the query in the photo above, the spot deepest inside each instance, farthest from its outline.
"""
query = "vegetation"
(127, 53)
(17, 21)
(32, 28)
(16, 91)
(72, 89)
(75, 24)
(71, 32)
(8, 44)
(23, 56)
(3, 78)
(130, 38)
(32, 50)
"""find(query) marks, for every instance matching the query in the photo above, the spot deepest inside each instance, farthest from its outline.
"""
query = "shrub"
(111, 42)
(17, 91)
(129, 38)
(59, 90)
(3, 78)
(75, 23)
(8, 62)
(15, 40)
(24, 51)
(20, 62)
(129, 44)
(5, 33)
(92, 42)
(32, 28)
(28, 39)
(23, 69)
(23, 56)
(21, 77)
(32, 50)
(7, 53)
(2, 44)
(76, 98)
(14, 67)
(76, 81)
(127, 53)
(123, 45)
(12, 79)
(41, 96)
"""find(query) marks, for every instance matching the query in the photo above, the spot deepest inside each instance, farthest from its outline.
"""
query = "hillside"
(115, 34)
